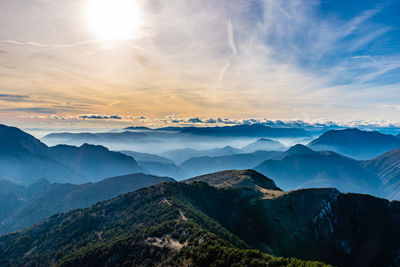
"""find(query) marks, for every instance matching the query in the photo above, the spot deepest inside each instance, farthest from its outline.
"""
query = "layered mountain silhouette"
(24, 206)
(387, 168)
(181, 155)
(203, 165)
(181, 223)
(251, 130)
(356, 143)
(91, 162)
(157, 165)
(264, 144)
(25, 159)
(301, 167)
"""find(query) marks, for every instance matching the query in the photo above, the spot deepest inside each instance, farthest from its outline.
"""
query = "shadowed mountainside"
(356, 143)
(25, 159)
(207, 164)
(303, 168)
(25, 206)
(387, 168)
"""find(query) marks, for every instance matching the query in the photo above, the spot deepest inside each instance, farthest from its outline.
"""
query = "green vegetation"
(153, 226)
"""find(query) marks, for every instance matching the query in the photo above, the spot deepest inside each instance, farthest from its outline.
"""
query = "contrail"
(232, 38)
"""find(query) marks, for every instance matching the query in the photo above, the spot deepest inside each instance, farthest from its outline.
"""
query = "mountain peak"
(14, 141)
(238, 179)
(298, 149)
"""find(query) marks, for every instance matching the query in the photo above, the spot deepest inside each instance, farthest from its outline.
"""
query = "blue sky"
(333, 60)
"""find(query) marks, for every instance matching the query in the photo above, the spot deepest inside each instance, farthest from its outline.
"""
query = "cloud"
(232, 59)
(99, 117)
(32, 110)
(13, 97)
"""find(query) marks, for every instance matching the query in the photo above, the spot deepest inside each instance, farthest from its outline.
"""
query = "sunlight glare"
(113, 19)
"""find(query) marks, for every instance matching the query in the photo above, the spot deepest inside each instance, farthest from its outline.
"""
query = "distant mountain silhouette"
(251, 130)
(146, 157)
(387, 168)
(24, 159)
(180, 155)
(24, 206)
(300, 167)
(295, 150)
(92, 163)
(356, 143)
(264, 144)
(135, 135)
(203, 165)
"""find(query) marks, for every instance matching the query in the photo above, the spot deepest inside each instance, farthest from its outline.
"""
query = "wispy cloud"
(212, 58)
(13, 97)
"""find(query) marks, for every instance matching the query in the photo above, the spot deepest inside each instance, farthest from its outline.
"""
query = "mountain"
(296, 150)
(146, 157)
(25, 206)
(24, 159)
(264, 144)
(92, 163)
(204, 165)
(250, 130)
(237, 179)
(181, 155)
(163, 139)
(304, 168)
(356, 143)
(163, 169)
(195, 224)
(387, 168)
(157, 165)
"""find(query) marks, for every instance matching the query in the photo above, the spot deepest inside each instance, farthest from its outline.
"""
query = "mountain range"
(264, 144)
(157, 165)
(207, 164)
(301, 167)
(356, 143)
(236, 221)
(181, 155)
(24, 159)
(23, 206)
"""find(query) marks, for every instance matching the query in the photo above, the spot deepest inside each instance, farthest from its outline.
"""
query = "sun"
(112, 20)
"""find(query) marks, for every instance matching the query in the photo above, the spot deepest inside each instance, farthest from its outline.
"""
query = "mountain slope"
(387, 168)
(24, 159)
(92, 163)
(264, 144)
(29, 205)
(179, 224)
(157, 165)
(204, 165)
(181, 155)
(146, 157)
(155, 226)
(355, 143)
(237, 179)
(304, 168)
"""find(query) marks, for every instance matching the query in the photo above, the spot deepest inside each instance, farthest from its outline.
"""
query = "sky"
(82, 63)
